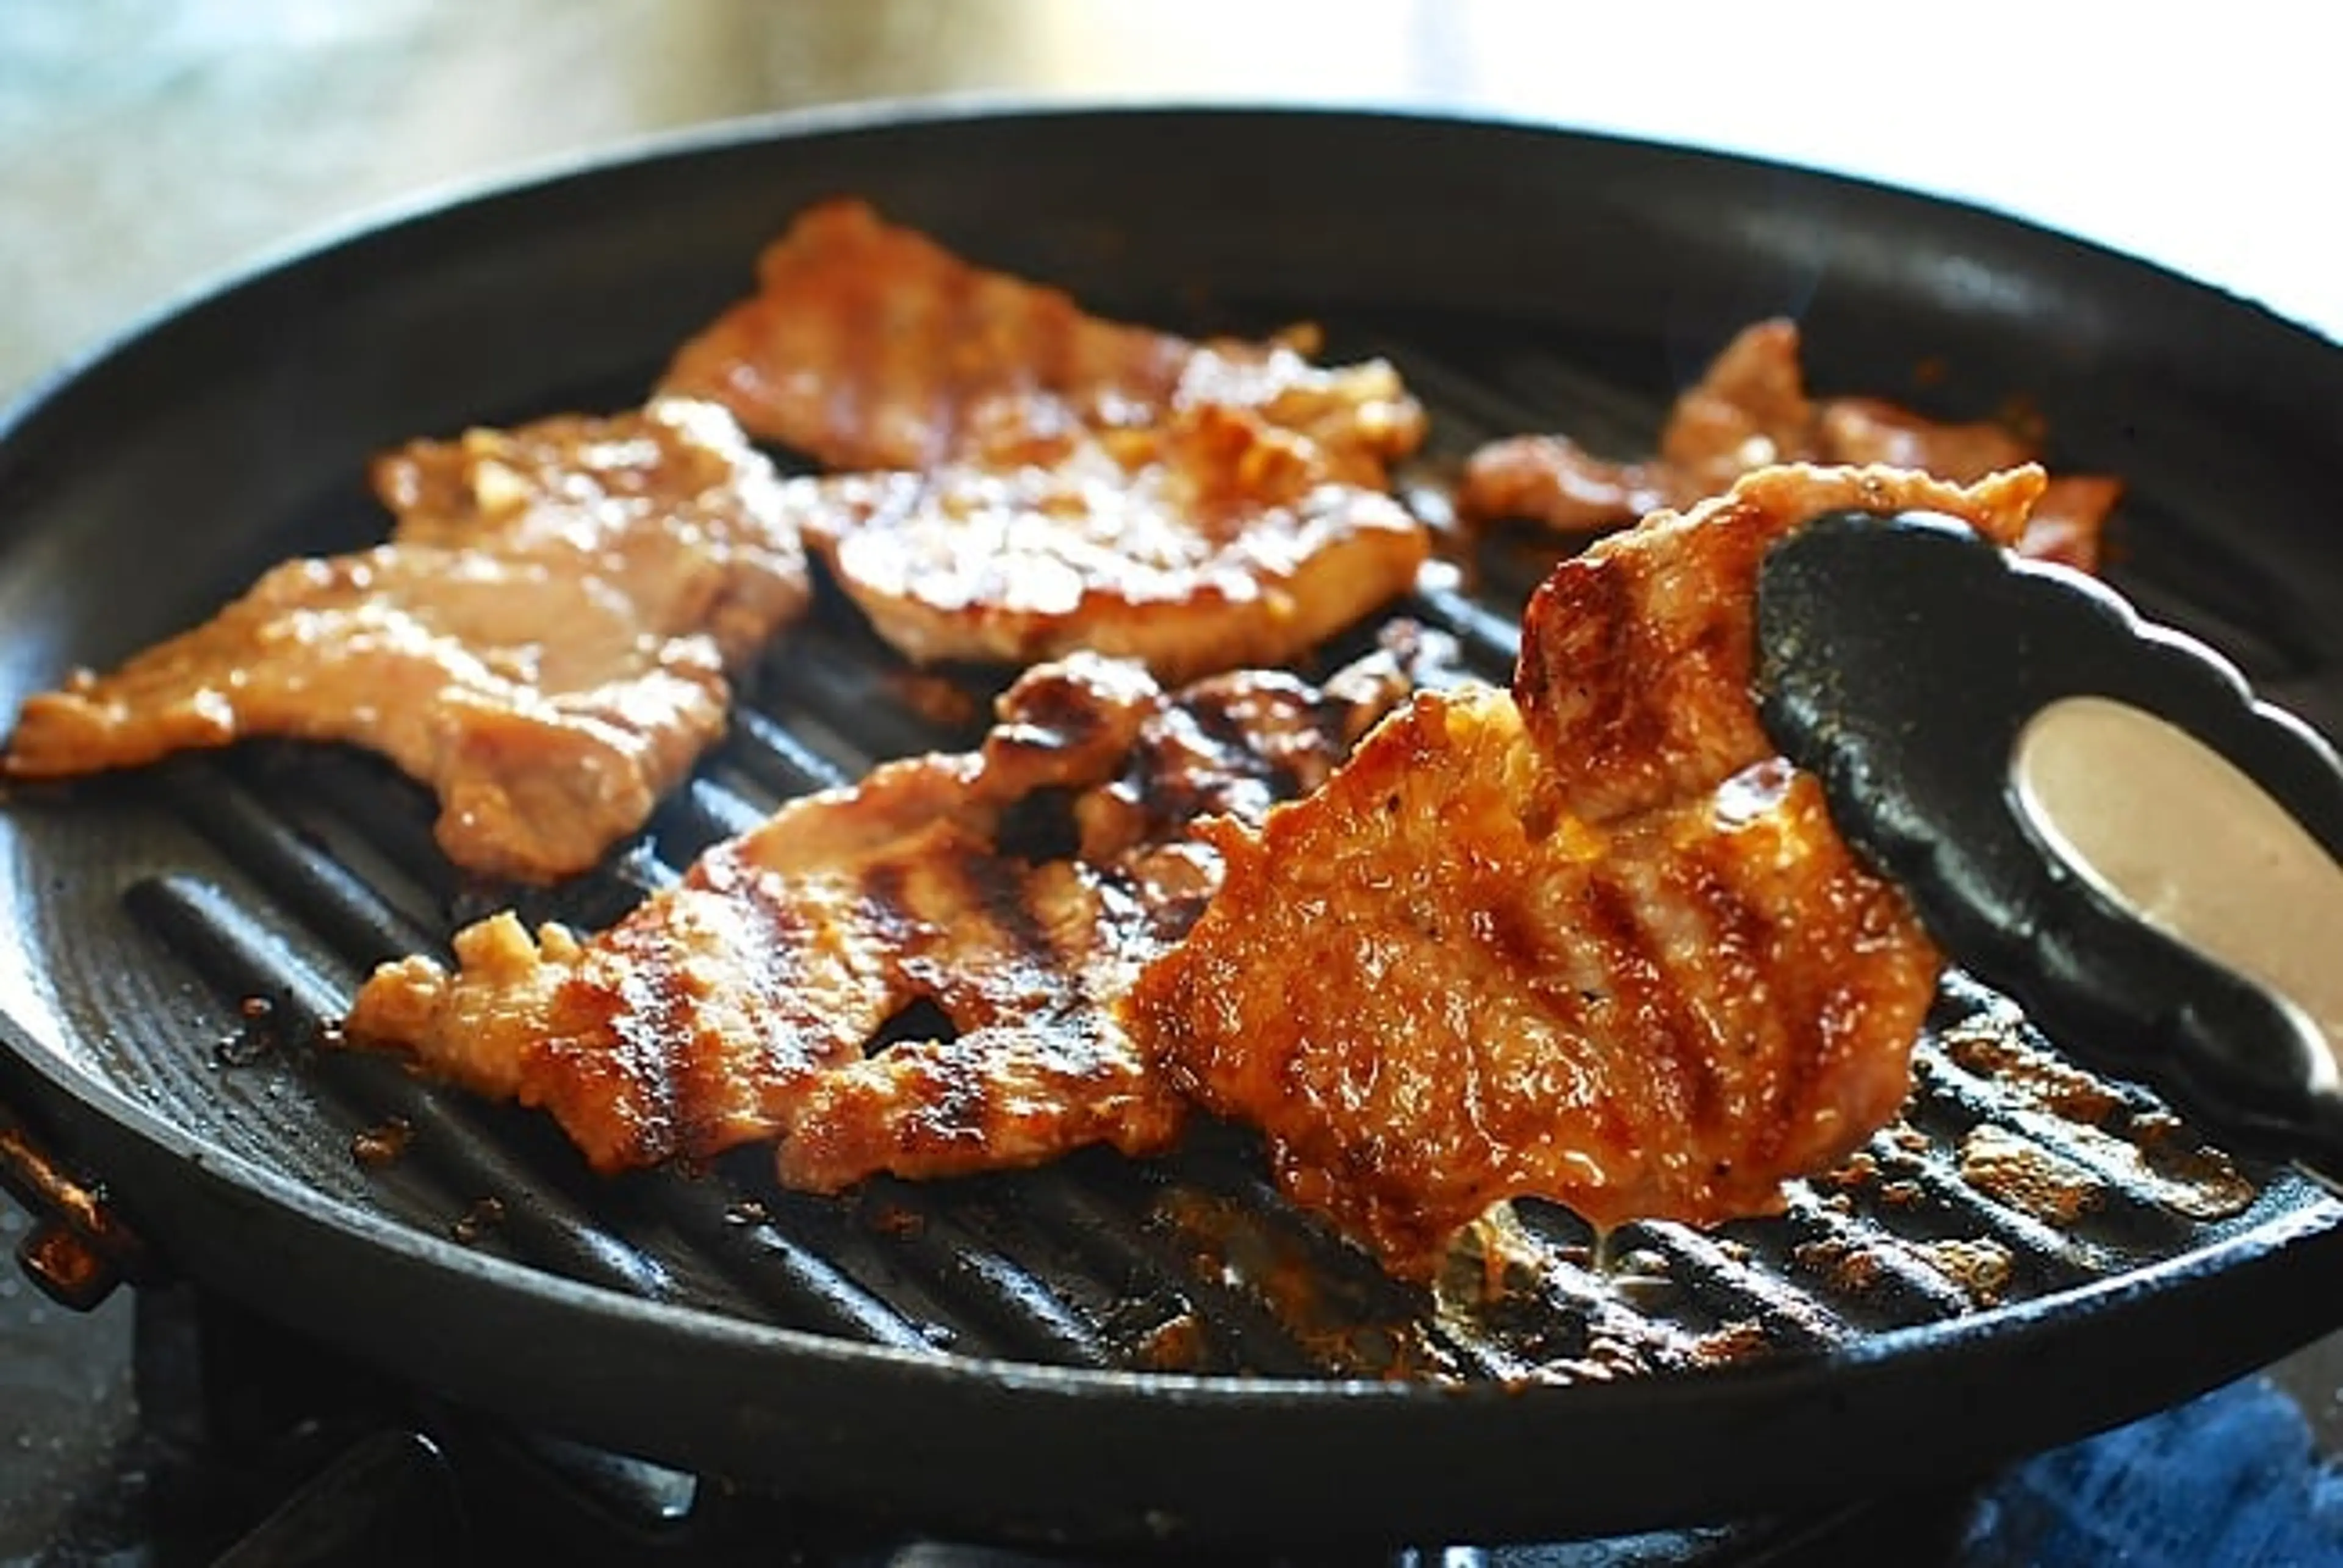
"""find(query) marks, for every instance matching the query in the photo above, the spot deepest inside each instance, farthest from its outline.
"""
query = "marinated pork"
(870, 345)
(1056, 482)
(1215, 540)
(1751, 409)
(1592, 941)
(544, 640)
(759, 998)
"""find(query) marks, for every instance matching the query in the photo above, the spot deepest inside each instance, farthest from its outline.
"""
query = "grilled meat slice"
(1213, 541)
(1635, 661)
(1554, 481)
(543, 641)
(750, 1000)
(1748, 410)
(1236, 744)
(1058, 1070)
(868, 345)
(1433, 991)
(1056, 482)
(2067, 523)
(1591, 940)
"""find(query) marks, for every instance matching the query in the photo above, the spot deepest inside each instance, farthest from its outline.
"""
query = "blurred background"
(149, 147)
(146, 146)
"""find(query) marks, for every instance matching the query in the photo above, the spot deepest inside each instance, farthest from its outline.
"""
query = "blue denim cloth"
(2233, 1478)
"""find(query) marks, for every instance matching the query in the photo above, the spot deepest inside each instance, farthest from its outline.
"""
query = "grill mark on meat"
(883, 907)
(771, 955)
(1679, 985)
(1054, 717)
(647, 1011)
(629, 1076)
(1059, 482)
(1232, 760)
(1646, 980)
(1637, 690)
(741, 1002)
(997, 890)
(950, 1108)
(1580, 639)
(922, 358)
(1647, 984)
(1179, 786)
(1737, 932)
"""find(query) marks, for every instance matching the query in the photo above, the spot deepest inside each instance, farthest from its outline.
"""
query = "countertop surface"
(148, 147)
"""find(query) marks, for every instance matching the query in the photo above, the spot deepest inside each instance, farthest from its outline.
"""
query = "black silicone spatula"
(2090, 811)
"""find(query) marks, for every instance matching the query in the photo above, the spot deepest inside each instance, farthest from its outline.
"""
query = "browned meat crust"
(868, 345)
(1591, 940)
(543, 641)
(747, 1002)
(1635, 660)
(1062, 482)
(1213, 541)
(1751, 409)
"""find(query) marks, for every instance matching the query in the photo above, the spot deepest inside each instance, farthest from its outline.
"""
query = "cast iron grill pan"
(1110, 1351)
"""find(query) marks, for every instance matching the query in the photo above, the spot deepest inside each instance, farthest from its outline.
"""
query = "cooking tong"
(2090, 811)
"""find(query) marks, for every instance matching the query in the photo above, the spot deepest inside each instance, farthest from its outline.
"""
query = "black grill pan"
(1105, 1351)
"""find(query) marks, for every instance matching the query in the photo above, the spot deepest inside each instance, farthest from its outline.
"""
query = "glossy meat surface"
(753, 999)
(870, 345)
(1048, 481)
(1750, 409)
(544, 640)
(1590, 940)
(1429, 999)
(1637, 654)
(1213, 541)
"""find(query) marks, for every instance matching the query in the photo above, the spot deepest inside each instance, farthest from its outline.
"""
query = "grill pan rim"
(1949, 1337)
(436, 202)
(1362, 1478)
(1937, 1348)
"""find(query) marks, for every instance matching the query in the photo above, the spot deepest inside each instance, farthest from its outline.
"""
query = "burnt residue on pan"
(2013, 1174)
(149, 906)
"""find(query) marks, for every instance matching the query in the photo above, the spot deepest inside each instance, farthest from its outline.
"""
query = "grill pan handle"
(2090, 811)
(78, 1249)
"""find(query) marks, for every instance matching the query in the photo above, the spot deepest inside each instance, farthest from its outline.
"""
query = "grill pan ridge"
(1102, 1351)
